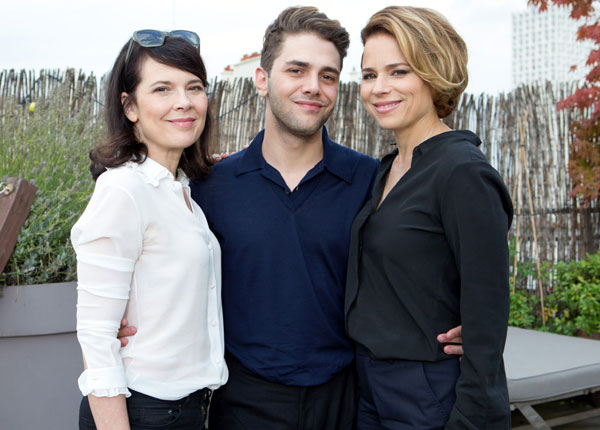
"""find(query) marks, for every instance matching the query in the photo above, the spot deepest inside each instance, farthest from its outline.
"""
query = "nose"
(182, 101)
(381, 85)
(310, 85)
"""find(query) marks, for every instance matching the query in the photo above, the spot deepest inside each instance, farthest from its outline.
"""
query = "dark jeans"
(147, 412)
(249, 402)
(404, 394)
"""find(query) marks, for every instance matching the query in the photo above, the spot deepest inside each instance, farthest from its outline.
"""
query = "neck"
(292, 155)
(168, 159)
(408, 139)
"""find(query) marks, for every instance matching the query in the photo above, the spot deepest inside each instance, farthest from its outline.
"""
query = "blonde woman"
(429, 251)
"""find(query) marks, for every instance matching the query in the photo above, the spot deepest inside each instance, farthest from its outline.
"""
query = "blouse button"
(213, 323)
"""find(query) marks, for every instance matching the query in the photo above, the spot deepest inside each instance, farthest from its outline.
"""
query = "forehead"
(151, 70)
(309, 48)
(382, 48)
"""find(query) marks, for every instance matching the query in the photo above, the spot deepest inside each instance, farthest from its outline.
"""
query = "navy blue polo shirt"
(284, 256)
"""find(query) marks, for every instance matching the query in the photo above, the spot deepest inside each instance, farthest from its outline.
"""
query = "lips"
(385, 107)
(182, 122)
(309, 104)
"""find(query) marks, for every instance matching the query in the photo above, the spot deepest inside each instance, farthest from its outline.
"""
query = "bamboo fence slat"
(564, 230)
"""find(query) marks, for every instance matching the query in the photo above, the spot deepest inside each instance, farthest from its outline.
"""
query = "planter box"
(40, 359)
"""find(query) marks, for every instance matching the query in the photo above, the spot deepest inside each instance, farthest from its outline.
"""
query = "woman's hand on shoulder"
(224, 155)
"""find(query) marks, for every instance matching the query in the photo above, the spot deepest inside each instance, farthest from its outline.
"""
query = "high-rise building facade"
(545, 46)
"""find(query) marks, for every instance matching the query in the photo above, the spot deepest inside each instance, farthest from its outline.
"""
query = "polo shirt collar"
(252, 158)
(335, 159)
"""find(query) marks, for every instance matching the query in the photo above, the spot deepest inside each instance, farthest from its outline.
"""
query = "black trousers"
(146, 412)
(249, 402)
(404, 394)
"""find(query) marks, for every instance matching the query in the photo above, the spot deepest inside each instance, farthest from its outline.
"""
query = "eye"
(330, 78)
(161, 89)
(368, 76)
(400, 72)
(295, 71)
(196, 88)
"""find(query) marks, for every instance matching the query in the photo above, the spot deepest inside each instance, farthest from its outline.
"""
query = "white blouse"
(142, 254)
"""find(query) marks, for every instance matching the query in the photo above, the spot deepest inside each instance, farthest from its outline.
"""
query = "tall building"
(544, 46)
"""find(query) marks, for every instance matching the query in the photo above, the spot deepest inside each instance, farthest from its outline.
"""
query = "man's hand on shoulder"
(125, 331)
(452, 336)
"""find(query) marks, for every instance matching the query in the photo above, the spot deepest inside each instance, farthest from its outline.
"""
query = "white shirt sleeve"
(108, 241)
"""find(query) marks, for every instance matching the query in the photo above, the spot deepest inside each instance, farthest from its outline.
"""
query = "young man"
(282, 210)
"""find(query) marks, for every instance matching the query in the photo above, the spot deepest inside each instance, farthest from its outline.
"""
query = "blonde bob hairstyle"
(432, 48)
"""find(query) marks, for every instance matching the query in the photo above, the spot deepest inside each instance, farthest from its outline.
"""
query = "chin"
(387, 124)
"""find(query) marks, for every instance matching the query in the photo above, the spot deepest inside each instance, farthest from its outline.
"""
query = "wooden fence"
(524, 118)
(19, 89)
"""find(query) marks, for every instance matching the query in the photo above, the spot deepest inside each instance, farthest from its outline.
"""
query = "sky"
(88, 34)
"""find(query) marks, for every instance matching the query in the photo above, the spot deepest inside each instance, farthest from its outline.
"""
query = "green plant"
(50, 149)
(575, 299)
(525, 269)
(523, 307)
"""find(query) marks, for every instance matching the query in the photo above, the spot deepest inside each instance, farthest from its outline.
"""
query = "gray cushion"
(542, 365)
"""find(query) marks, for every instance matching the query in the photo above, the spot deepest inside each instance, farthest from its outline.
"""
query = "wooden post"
(517, 190)
(15, 201)
(523, 163)
(535, 241)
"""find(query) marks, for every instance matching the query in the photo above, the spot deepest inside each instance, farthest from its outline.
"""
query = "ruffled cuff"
(106, 382)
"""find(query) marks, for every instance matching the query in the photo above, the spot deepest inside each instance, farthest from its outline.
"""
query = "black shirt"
(433, 256)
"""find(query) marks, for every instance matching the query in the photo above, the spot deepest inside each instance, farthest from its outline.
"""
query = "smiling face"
(301, 88)
(392, 92)
(169, 111)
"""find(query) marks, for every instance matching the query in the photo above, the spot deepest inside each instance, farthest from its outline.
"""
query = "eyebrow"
(305, 64)
(193, 81)
(387, 66)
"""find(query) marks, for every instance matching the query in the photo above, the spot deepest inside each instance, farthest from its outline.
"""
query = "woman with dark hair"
(429, 251)
(144, 249)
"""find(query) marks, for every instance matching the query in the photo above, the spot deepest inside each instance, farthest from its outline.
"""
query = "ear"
(260, 80)
(129, 109)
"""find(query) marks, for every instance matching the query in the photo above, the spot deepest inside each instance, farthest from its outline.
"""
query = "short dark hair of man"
(302, 19)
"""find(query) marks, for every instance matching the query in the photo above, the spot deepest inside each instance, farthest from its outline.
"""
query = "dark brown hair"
(432, 48)
(121, 144)
(302, 19)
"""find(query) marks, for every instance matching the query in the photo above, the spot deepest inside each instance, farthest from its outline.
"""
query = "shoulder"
(456, 152)
(128, 179)
(461, 146)
(220, 171)
(121, 177)
(468, 178)
(221, 178)
(460, 161)
(227, 165)
(359, 162)
(127, 174)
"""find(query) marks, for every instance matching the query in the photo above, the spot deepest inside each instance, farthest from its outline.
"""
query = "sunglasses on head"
(154, 38)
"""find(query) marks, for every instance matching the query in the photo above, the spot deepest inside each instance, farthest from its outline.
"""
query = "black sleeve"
(476, 214)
